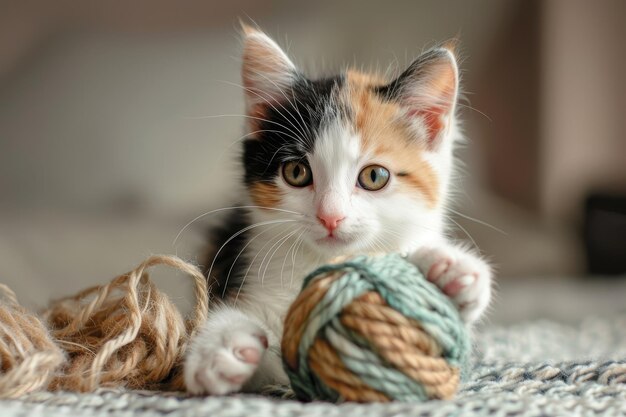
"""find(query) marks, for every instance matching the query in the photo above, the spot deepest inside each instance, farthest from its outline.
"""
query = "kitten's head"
(365, 162)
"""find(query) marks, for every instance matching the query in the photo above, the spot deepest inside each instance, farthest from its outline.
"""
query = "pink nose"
(330, 221)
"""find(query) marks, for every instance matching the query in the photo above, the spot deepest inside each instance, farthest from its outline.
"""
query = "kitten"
(337, 166)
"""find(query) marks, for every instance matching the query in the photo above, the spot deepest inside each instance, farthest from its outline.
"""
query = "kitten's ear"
(267, 72)
(428, 90)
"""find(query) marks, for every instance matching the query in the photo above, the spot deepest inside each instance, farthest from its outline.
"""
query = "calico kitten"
(336, 166)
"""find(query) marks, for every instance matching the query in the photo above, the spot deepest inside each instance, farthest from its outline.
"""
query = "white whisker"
(252, 263)
(465, 216)
(475, 109)
(229, 208)
(245, 116)
(241, 252)
(291, 248)
(251, 91)
(276, 245)
(303, 127)
(294, 256)
(466, 232)
(240, 232)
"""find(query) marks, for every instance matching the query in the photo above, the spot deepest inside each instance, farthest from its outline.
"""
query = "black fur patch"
(227, 273)
(290, 129)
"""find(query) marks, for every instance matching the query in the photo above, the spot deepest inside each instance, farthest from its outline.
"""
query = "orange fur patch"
(265, 195)
(384, 134)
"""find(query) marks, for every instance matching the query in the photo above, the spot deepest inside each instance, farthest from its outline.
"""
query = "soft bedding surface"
(538, 368)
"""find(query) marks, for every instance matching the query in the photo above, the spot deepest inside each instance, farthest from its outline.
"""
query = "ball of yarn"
(373, 329)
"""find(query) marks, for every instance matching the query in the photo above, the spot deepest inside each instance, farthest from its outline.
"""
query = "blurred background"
(106, 150)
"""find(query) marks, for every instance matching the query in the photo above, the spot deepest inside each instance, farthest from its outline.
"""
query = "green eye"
(373, 177)
(297, 174)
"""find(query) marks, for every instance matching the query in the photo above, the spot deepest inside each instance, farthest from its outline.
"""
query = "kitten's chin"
(341, 245)
(334, 243)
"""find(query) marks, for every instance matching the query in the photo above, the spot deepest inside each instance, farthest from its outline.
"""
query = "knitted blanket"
(540, 368)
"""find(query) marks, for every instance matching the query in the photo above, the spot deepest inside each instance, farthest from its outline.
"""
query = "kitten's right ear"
(267, 72)
(428, 90)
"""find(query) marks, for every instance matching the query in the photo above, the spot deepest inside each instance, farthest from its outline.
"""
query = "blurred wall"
(118, 120)
(583, 105)
(100, 104)
(105, 151)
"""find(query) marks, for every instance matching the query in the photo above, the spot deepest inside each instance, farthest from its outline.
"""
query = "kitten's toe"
(248, 355)
(221, 376)
(224, 367)
(472, 292)
(455, 287)
(465, 278)
(439, 268)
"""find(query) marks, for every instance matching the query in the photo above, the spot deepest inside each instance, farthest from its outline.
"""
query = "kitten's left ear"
(267, 72)
(427, 90)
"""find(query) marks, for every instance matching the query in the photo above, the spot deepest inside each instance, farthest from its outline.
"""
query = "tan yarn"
(125, 333)
(403, 343)
(327, 364)
(28, 356)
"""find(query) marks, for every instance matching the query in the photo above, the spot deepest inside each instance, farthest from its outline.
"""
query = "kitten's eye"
(297, 174)
(373, 177)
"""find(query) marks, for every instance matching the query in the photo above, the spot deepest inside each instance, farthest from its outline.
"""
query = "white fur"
(283, 253)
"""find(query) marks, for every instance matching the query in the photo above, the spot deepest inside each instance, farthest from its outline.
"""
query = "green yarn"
(404, 288)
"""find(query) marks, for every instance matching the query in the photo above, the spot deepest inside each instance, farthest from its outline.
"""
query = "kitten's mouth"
(333, 240)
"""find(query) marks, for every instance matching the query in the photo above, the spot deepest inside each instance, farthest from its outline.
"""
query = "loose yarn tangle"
(125, 333)
(28, 355)
(373, 329)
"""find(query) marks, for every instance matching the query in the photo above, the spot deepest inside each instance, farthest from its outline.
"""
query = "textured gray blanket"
(540, 368)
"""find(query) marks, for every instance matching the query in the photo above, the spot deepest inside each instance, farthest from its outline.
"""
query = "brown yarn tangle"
(29, 357)
(126, 333)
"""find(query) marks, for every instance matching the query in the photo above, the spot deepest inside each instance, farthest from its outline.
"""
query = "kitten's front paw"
(463, 277)
(221, 360)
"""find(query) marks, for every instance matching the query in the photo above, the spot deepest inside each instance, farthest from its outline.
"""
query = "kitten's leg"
(464, 277)
(225, 353)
